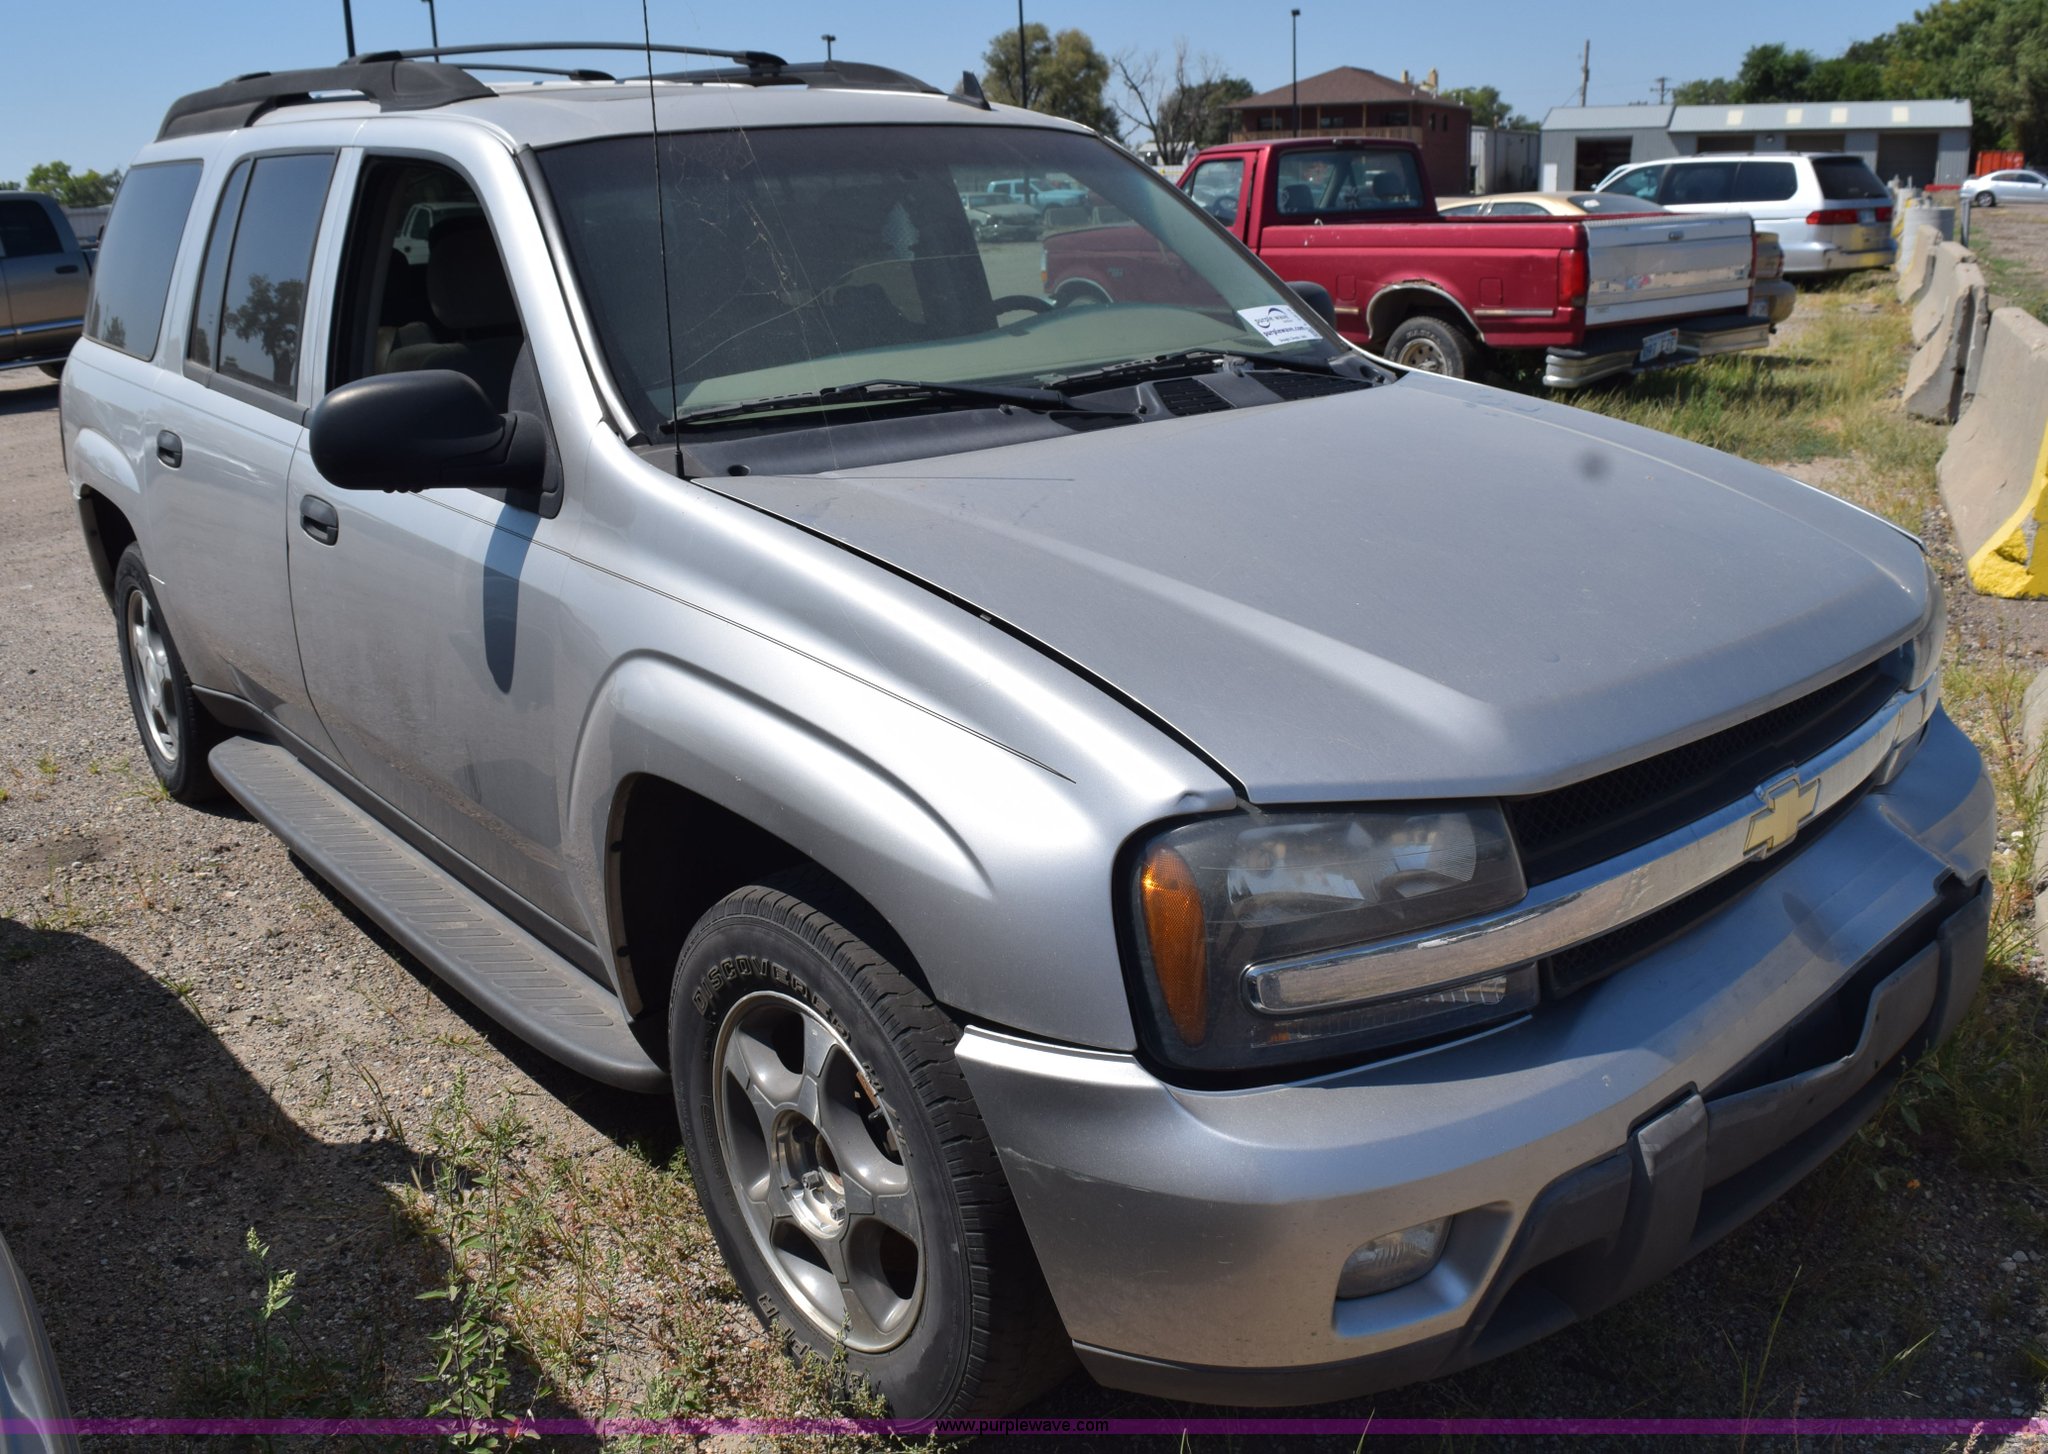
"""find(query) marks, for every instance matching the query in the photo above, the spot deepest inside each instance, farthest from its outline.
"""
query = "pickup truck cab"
(1128, 829)
(1357, 217)
(44, 279)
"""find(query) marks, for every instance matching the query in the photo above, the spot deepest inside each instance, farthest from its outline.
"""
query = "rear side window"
(263, 298)
(26, 230)
(1849, 179)
(133, 274)
(1697, 183)
(1764, 182)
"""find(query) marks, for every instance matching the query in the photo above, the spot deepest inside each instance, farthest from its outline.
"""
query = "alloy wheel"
(817, 1163)
(149, 663)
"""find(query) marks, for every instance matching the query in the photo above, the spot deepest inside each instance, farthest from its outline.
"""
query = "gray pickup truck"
(44, 279)
(1129, 829)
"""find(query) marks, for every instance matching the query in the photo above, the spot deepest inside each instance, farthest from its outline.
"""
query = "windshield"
(802, 258)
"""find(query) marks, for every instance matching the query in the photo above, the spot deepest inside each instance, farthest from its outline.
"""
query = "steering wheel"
(1020, 303)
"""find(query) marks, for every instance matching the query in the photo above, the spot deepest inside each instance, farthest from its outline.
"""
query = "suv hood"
(1422, 589)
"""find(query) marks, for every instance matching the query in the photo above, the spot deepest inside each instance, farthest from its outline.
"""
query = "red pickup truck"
(1600, 296)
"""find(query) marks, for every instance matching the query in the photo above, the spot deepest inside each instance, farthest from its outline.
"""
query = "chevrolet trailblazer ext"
(1131, 829)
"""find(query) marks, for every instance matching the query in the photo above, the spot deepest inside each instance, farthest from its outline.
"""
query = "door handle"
(317, 519)
(68, 268)
(169, 448)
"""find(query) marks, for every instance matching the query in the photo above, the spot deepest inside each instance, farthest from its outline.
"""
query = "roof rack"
(418, 80)
(834, 75)
(393, 85)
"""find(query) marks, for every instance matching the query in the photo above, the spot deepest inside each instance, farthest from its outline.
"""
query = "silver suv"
(1831, 214)
(1128, 828)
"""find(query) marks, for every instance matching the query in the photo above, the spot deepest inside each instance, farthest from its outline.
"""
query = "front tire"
(1434, 345)
(841, 1162)
(176, 731)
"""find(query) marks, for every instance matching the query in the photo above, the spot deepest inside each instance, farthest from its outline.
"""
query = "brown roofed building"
(1351, 101)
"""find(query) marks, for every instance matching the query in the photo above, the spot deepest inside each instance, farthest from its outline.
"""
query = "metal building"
(1917, 143)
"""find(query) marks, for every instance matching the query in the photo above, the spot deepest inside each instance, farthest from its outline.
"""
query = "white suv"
(1832, 214)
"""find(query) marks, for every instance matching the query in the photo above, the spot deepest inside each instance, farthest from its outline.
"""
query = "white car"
(2000, 187)
(1831, 213)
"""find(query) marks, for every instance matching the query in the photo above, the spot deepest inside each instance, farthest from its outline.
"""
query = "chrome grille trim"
(1587, 904)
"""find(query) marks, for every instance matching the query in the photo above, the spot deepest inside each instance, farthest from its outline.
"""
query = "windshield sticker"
(1278, 324)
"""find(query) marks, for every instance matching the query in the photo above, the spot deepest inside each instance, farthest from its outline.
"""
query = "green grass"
(1824, 396)
(2019, 284)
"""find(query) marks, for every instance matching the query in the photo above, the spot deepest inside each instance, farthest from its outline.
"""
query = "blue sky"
(88, 83)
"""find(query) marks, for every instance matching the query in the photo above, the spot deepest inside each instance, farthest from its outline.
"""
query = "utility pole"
(1585, 70)
(828, 39)
(348, 25)
(1294, 64)
(434, 24)
(1023, 62)
(1660, 89)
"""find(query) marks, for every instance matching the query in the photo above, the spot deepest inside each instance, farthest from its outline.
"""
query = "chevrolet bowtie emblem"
(1786, 806)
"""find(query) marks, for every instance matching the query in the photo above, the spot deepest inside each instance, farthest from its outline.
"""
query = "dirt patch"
(2012, 241)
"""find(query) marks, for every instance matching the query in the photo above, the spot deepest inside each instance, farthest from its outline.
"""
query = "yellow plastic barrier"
(2007, 564)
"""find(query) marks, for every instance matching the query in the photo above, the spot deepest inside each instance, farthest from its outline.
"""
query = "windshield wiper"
(1143, 366)
(882, 391)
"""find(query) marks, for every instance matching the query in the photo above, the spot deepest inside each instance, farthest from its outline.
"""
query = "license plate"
(1659, 344)
(1759, 307)
(1866, 215)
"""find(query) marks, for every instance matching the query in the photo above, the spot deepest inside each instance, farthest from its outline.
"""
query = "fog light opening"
(1394, 1260)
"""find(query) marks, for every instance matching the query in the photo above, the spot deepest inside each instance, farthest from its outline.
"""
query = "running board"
(494, 963)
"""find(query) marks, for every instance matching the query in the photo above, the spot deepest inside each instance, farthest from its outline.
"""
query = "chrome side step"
(504, 970)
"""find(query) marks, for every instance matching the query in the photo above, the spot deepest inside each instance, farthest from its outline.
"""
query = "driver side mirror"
(424, 430)
(1317, 298)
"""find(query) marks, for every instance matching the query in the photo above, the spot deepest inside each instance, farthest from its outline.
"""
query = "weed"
(274, 1372)
(47, 766)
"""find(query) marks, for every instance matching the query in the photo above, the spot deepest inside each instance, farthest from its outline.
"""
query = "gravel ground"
(197, 1039)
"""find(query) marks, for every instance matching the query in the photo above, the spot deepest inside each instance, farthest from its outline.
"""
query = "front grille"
(1575, 827)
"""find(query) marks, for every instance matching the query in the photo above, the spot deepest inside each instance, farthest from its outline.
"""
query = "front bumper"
(1193, 1239)
(1620, 350)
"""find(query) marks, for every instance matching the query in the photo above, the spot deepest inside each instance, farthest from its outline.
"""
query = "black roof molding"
(421, 80)
(393, 85)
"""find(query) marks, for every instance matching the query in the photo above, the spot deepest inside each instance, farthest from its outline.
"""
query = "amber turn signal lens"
(1178, 938)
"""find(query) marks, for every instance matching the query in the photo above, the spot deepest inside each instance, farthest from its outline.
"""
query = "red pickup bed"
(1356, 217)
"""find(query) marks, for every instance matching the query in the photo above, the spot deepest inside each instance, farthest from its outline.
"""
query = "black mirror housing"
(1318, 299)
(424, 430)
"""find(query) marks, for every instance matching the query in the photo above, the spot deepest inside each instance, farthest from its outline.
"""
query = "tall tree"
(1773, 73)
(73, 189)
(1180, 104)
(1066, 75)
(1484, 103)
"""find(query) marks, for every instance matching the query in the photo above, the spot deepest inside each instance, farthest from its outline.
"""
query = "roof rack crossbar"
(753, 60)
(816, 75)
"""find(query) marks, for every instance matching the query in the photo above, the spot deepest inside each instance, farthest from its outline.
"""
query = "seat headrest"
(466, 280)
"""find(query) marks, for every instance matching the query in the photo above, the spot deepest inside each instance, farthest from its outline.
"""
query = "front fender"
(960, 843)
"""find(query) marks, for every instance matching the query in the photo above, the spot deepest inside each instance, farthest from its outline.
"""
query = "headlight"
(1923, 652)
(1245, 923)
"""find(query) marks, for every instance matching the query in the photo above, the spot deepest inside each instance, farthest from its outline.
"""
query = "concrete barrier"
(1938, 297)
(1935, 379)
(1994, 473)
(1916, 258)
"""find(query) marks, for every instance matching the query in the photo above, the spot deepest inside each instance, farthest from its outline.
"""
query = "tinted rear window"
(1848, 179)
(1764, 182)
(133, 273)
(1699, 182)
(264, 302)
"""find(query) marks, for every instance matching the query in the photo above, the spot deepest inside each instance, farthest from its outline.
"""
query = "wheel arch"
(1396, 303)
